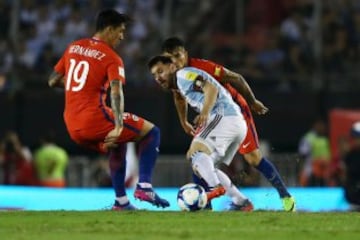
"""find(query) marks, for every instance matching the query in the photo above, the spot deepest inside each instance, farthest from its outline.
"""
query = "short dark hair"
(171, 44)
(110, 17)
(157, 59)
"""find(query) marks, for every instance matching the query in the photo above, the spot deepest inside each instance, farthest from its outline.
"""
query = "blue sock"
(200, 181)
(273, 176)
(148, 152)
(117, 164)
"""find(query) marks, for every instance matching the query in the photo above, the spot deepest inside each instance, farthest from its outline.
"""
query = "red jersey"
(217, 71)
(88, 66)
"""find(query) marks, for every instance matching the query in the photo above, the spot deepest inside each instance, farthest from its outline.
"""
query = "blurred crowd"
(285, 44)
(34, 35)
(49, 165)
(19, 165)
(289, 45)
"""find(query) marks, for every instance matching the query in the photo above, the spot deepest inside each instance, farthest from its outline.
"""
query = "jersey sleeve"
(190, 80)
(185, 80)
(212, 68)
(116, 71)
(60, 66)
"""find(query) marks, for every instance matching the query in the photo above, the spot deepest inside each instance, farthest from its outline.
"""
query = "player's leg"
(147, 136)
(93, 139)
(239, 201)
(200, 181)
(211, 144)
(252, 154)
(203, 165)
(268, 170)
(117, 164)
(148, 141)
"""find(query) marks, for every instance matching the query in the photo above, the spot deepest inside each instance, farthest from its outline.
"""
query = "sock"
(273, 176)
(148, 152)
(122, 200)
(145, 185)
(200, 181)
(203, 164)
(117, 164)
(231, 190)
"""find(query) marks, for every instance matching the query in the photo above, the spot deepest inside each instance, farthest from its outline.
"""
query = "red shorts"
(93, 137)
(251, 141)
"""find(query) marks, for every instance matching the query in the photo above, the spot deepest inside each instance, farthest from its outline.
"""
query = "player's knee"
(191, 153)
(155, 131)
(197, 147)
(195, 170)
(155, 134)
(253, 158)
(152, 136)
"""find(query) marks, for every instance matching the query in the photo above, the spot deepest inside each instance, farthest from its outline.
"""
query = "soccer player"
(86, 69)
(243, 95)
(220, 125)
(50, 162)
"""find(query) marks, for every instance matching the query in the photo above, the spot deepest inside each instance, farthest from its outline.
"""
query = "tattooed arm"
(117, 106)
(56, 80)
(117, 102)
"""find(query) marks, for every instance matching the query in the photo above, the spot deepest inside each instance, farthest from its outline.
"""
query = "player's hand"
(188, 128)
(259, 108)
(201, 120)
(112, 137)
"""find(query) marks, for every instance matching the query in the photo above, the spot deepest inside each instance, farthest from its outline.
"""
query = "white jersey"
(187, 80)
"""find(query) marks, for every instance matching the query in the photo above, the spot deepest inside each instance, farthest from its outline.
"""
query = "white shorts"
(222, 135)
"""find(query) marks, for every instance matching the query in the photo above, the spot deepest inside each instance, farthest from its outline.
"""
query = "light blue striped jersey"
(187, 80)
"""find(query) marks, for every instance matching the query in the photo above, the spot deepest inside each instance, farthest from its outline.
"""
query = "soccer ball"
(191, 197)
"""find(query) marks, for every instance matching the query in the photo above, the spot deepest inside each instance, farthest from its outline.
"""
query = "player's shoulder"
(98, 45)
(201, 62)
(188, 73)
(81, 41)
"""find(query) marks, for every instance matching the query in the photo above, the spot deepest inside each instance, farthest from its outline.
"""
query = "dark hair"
(110, 17)
(171, 44)
(157, 59)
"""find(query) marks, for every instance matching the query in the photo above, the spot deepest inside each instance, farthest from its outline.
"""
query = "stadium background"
(301, 58)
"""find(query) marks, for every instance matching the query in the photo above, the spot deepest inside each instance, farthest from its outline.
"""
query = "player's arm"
(56, 80)
(117, 102)
(210, 95)
(182, 110)
(239, 83)
(117, 106)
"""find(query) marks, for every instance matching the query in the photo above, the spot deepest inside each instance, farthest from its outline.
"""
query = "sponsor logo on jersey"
(191, 76)
(217, 71)
(246, 145)
(122, 72)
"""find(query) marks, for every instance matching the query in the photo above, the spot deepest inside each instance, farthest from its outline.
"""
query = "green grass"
(141, 225)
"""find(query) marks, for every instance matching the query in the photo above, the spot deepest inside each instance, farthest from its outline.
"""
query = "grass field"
(141, 225)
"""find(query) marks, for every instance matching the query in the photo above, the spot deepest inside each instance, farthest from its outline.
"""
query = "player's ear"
(110, 29)
(173, 67)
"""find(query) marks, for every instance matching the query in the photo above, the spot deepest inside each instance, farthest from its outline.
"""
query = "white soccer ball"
(191, 197)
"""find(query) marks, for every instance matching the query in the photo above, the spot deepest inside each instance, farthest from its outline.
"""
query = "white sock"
(203, 165)
(231, 190)
(145, 185)
(122, 200)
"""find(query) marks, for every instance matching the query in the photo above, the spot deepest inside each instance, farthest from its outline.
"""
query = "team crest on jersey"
(191, 76)
(217, 71)
(122, 72)
(199, 83)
